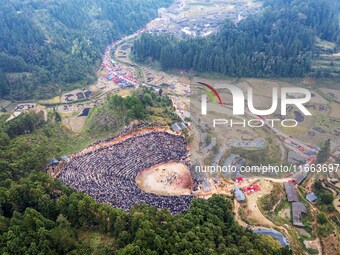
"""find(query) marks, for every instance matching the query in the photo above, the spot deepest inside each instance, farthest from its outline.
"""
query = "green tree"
(322, 218)
(323, 154)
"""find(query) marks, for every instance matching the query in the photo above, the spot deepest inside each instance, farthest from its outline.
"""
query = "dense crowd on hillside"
(108, 174)
(127, 130)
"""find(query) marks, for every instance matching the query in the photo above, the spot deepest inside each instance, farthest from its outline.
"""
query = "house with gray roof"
(239, 195)
(291, 192)
(298, 209)
(299, 177)
(176, 128)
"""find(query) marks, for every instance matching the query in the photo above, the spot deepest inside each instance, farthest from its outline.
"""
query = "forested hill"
(277, 42)
(40, 215)
(45, 45)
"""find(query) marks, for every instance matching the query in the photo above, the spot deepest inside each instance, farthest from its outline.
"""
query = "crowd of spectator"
(108, 174)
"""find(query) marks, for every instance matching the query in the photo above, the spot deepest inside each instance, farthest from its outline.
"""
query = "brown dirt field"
(124, 93)
(253, 212)
(74, 97)
(75, 124)
(105, 86)
(54, 100)
(317, 99)
(335, 110)
(303, 232)
(170, 179)
(285, 213)
(329, 245)
(236, 208)
(262, 102)
(314, 244)
(335, 92)
(94, 88)
(223, 188)
(308, 187)
(263, 87)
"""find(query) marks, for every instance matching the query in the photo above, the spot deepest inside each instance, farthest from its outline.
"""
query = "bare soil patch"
(253, 212)
(330, 245)
(285, 214)
(170, 179)
(75, 124)
(314, 244)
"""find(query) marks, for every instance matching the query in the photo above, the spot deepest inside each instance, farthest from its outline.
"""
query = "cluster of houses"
(181, 124)
(113, 71)
(201, 22)
(74, 96)
(298, 208)
(178, 127)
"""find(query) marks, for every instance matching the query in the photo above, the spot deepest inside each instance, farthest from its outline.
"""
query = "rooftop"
(299, 177)
(239, 194)
(297, 209)
(175, 127)
(291, 192)
(311, 197)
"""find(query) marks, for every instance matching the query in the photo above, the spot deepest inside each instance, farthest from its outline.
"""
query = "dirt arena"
(170, 179)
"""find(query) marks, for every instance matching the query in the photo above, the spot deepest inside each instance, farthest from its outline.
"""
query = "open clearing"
(75, 124)
(285, 213)
(252, 211)
(170, 179)
(335, 110)
(329, 245)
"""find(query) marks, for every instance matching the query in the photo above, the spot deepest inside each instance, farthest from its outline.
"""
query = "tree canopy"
(117, 112)
(324, 152)
(40, 215)
(47, 216)
(55, 43)
(277, 42)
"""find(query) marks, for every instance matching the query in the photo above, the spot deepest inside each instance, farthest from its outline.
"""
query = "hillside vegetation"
(39, 215)
(46, 46)
(277, 42)
(117, 112)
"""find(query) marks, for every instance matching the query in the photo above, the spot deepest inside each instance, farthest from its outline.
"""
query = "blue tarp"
(273, 233)
(311, 197)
